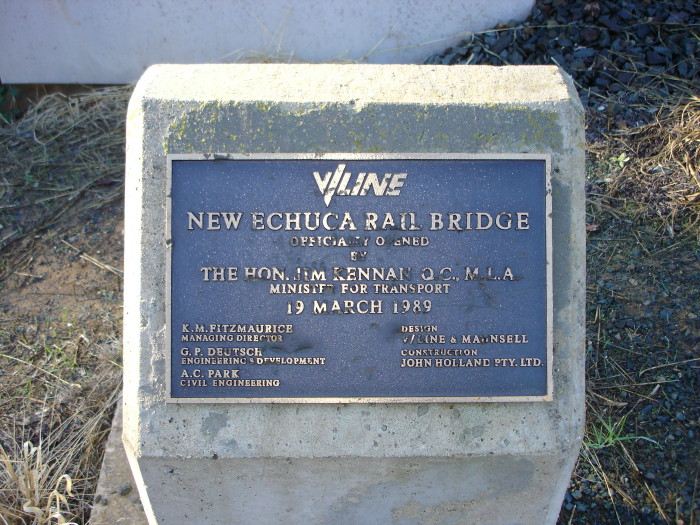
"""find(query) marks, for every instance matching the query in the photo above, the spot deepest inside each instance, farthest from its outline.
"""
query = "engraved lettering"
(357, 273)
(231, 220)
(348, 306)
(223, 373)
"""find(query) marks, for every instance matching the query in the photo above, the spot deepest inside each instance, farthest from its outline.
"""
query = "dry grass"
(651, 174)
(643, 199)
(58, 395)
(65, 155)
(61, 185)
(36, 484)
(664, 162)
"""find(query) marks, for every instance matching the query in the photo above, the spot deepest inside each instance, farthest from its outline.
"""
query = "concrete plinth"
(349, 463)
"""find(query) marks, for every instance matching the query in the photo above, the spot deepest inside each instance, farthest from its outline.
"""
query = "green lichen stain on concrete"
(422, 114)
(196, 130)
(263, 106)
(239, 127)
(484, 140)
(535, 128)
(542, 127)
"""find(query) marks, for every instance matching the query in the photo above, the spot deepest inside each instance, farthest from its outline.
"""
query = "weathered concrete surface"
(351, 490)
(116, 497)
(325, 463)
(83, 41)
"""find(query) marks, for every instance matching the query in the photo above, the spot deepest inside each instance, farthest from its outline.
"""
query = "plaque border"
(546, 157)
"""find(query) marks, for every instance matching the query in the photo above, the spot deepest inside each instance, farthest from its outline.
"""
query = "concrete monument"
(354, 294)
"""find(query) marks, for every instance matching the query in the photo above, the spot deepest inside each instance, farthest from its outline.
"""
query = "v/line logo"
(338, 183)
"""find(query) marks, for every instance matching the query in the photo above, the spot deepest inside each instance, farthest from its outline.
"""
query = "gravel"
(628, 58)
(622, 54)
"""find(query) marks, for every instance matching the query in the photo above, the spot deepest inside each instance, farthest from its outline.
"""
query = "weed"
(31, 476)
(609, 433)
(662, 165)
(8, 106)
(621, 160)
(38, 482)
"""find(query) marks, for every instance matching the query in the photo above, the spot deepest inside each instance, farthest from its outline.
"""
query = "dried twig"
(95, 261)
(668, 364)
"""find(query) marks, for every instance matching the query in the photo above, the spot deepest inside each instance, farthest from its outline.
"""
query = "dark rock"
(662, 50)
(610, 23)
(503, 41)
(602, 82)
(557, 58)
(643, 30)
(690, 47)
(603, 58)
(590, 34)
(515, 58)
(619, 46)
(451, 58)
(678, 17)
(529, 46)
(624, 77)
(626, 15)
(583, 52)
(654, 58)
